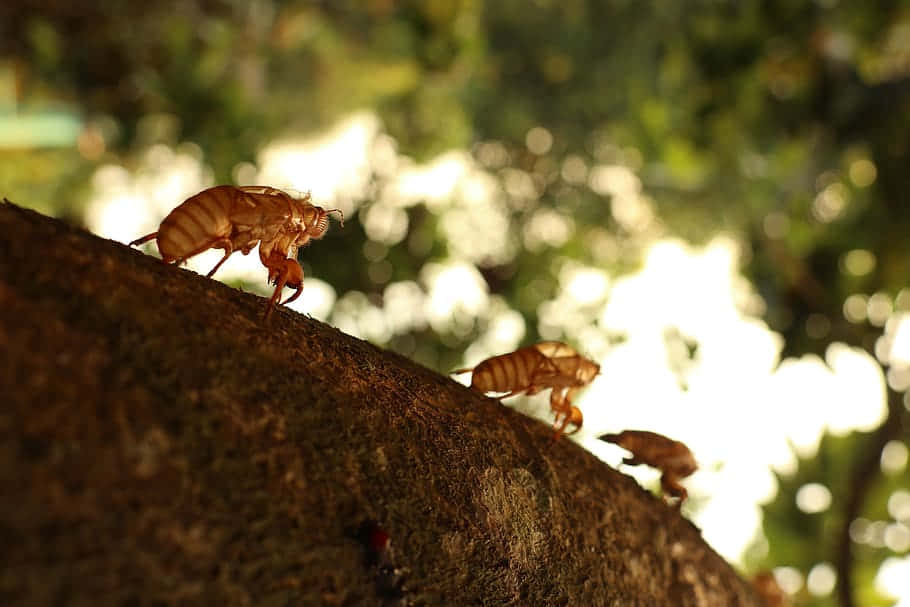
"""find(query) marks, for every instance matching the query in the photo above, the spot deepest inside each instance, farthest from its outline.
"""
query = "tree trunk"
(160, 443)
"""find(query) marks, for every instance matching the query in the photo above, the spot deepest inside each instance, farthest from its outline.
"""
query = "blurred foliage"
(806, 539)
(783, 123)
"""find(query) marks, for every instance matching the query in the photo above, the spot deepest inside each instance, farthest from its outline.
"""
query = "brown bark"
(161, 444)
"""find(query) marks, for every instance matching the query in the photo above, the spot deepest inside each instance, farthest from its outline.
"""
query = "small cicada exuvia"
(532, 369)
(237, 219)
(671, 457)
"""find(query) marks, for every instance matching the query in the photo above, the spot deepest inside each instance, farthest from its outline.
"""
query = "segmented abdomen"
(507, 372)
(196, 223)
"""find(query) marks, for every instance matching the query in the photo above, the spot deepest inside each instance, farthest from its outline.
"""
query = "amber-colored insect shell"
(237, 218)
(507, 372)
(191, 227)
(656, 450)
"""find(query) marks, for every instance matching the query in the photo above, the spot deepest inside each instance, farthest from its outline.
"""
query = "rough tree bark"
(160, 444)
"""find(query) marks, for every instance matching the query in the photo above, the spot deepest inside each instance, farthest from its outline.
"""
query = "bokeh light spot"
(789, 578)
(878, 309)
(813, 498)
(858, 262)
(897, 537)
(830, 202)
(574, 170)
(893, 577)
(899, 505)
(855, 308)
(821, 579)
(539, 140)
(817, 326)
(894, 457)
(863, 172)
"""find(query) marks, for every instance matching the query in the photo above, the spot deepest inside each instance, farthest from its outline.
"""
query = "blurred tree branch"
(865, 471)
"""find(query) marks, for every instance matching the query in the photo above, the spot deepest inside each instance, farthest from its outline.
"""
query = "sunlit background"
(712, 210)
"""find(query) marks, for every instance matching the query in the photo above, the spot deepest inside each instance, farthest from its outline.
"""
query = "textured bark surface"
(160, 444)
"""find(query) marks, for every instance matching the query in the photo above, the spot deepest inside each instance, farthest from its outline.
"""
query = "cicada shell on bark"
(532, 369)
(671, 457)
(237, 219)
